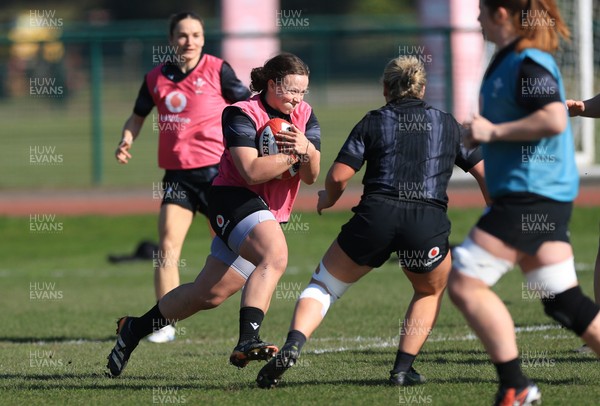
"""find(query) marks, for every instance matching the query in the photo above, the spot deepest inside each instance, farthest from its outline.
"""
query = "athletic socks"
(511, 375)
(152, 321)
(250, 321)
(403, 362)
(295, 337)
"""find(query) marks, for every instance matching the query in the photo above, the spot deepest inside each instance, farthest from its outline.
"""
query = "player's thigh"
(173, 223)
(493, 245)
(549, 253)
(341, 266)
(265, 242)
(217, 279)
(432, 282)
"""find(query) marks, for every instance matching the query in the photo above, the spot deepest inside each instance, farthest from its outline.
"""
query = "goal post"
(585, 16)
(576, 62)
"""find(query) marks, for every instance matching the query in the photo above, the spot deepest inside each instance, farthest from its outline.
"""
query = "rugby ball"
(266, 140)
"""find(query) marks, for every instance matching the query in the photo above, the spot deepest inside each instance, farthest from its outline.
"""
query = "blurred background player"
(246, 204)
(190, 92)
(410, 149)
(532, 178)
(588, 108)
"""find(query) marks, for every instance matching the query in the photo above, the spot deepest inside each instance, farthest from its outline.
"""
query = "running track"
(118, 202)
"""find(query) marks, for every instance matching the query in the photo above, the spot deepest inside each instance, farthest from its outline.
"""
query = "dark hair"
(546, 31)
(275, 69)
(176, 18)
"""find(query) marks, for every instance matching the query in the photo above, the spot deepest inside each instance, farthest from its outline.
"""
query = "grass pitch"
(61, 298)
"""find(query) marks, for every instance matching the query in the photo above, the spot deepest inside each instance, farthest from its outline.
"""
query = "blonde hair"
(538, 22)
(404, 77)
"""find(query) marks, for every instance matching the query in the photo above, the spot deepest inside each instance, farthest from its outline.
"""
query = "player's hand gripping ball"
(266, 140)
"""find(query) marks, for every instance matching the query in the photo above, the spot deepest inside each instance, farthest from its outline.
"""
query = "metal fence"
(68, 92)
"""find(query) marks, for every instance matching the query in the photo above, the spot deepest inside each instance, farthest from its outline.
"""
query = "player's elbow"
(251, 179)
(556, 120)
(557, 125)
(335, 180)
(250, 175)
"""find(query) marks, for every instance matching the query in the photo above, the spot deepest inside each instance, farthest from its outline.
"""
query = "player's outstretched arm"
(131, 130)
(585, 108)
(547, 121)
(335, 183)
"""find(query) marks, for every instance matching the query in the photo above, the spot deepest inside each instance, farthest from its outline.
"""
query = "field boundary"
(116, 202)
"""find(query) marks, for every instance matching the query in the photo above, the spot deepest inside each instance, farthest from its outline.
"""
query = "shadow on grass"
(55, 339)
(98, 381)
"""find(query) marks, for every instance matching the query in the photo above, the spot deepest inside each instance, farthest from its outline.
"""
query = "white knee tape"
(314, 291)
(335, 286)
(552, 279)
(326, 290)
(472, 260)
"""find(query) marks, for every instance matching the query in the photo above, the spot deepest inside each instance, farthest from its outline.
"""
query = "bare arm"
(255, 169)
(131, 130)
(310, 165)
(586, 108)
(479, 174)
(335, 183)
(295, 142)
(548, 121)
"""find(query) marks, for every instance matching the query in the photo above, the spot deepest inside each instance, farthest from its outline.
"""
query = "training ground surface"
(463, 192)
(119, 201)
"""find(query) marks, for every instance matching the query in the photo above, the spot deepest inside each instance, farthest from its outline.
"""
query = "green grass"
(62, 134)
(54, 351)
(64, 126)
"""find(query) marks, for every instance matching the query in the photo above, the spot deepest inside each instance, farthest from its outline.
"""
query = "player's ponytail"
(538, 22)
(542, 26)
(276, 69)
(404, 77)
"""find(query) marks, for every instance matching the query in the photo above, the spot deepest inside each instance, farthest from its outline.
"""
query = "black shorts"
(417, 232)
(525, 220)
(228, 205)
(188, 188)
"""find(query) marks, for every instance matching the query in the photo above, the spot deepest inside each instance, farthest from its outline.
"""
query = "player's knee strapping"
(220, 251)
(563, 301)
(327, 288)
(472, 260)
